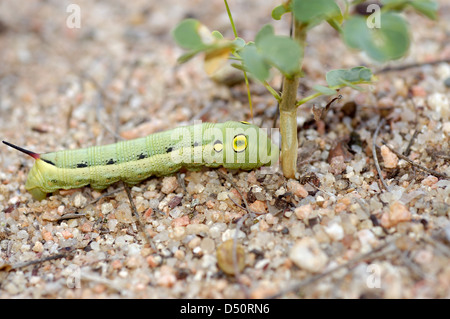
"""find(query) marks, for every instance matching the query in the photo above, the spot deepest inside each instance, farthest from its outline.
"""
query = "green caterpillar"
(234, 145)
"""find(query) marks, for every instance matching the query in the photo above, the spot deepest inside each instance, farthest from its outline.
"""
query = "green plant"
(383, 36)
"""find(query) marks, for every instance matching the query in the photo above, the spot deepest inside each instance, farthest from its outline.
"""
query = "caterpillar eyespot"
(218, 146)
(233, 145)
(239, 143)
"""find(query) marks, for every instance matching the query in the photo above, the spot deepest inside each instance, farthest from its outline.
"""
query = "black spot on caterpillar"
(234, 145)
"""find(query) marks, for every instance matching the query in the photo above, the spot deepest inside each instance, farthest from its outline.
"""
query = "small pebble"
(447, 82)
(222, 196)
(46, 235)
(197, 228)
(22, 234)
(303, 212)
(207, 245)
(446, 127)
(178, 233)
(195, 242)
(306, 254)
(281, 191)
(397, 213)
(166, 277)
(66, 234)
(418, 91)
(385, 102)
(335, 231)
(116, 264)
(179, 254)
(123, 213)
(86, 227)
(390, 159)
(423, 257)
(296, 188)
(112, 223)
(224, 255)
(430, 180)
(169, 184)
(51, 216)
(79, 200)
(258, 207)
(337, 165)
(38, 247)
(181, 221)
(366, 237)
(106, 208)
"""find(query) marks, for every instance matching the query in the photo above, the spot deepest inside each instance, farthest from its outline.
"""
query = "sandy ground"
(344, 236)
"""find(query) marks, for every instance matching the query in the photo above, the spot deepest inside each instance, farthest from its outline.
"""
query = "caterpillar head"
(244, 146)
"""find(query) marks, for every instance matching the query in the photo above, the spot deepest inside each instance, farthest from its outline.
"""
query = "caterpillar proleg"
(234, 145)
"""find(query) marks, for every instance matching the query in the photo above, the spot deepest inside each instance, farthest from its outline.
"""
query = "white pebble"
(95, 246)
(107, 208)
(335, 231)
(197, 228)
(440, 103)
(230, 233)
(38, 247)
(79, 200)
(366, 237)
(222, 196)
(306, 254)
(22, 234)
(112, 223)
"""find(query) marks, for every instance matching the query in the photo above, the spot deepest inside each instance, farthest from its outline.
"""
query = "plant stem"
(288, 113)
(249, 96)
(272, 91)
(231, 19)
(230, 16)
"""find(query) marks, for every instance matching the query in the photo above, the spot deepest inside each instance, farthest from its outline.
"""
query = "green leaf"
(277, 12)
(426, 7)
(345, 76)
(187, 56)
(186, 34)
(335, 25)
(324, 90)
(282, 52)
(390, 41)
(238, 66)
(265, 31)
(239, 43)
(217, 35)
(254, 62)
(314, 12)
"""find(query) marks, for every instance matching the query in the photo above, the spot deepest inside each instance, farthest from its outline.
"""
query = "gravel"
(336, 212)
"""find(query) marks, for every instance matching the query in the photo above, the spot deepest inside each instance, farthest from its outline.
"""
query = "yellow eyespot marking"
(244, 122)
(239, 143)
(218, 146)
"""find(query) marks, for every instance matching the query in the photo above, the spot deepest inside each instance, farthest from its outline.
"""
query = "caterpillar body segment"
(234, 145)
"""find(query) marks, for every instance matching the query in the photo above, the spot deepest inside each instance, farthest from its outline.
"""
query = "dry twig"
(67, 251)
(409, 66)
(375, 158)
(297, 286)
(138, 219)
(423, 168)
(239, 224)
